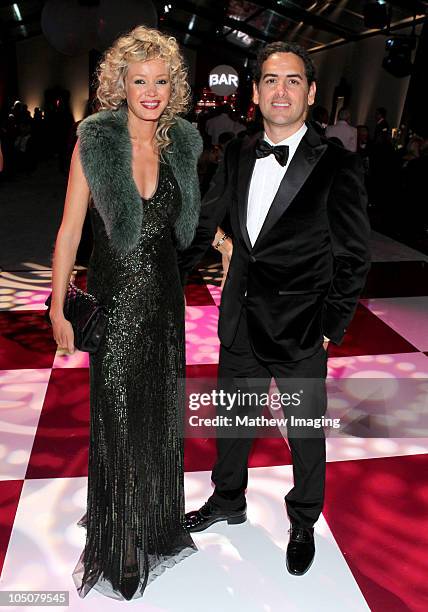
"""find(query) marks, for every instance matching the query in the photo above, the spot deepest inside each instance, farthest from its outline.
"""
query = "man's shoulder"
(331, 128)
(234, 146)
(352, 129)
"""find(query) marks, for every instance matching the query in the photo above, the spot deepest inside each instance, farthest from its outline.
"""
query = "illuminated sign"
(223, 80)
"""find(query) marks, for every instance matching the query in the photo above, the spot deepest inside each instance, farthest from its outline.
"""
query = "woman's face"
(148, 88)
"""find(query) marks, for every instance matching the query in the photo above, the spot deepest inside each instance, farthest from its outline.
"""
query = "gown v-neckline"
(156, 186)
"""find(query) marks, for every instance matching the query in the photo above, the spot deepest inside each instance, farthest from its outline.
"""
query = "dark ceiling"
(239, 26)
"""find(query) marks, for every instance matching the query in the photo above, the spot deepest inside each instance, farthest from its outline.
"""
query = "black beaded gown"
(135, 500)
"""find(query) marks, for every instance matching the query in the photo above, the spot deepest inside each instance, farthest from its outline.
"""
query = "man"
(382, 133)
(300, 259)
(364, 150)
(343, 130)
(221, 123)
(385, 172)
(319, 119)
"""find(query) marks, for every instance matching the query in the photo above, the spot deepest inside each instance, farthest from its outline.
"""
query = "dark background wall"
(370, 85)
(39, 66)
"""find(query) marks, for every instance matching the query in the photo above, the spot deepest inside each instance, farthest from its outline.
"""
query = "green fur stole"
(106, 155)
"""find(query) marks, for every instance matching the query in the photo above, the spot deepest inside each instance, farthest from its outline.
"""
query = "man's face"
(283, 93)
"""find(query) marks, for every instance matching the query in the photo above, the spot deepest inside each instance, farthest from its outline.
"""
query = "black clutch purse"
(86, 316)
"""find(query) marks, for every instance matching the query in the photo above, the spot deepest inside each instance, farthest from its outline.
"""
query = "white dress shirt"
(265, 181)
(221, 124)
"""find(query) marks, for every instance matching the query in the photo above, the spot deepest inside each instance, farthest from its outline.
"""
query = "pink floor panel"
(10, 491)
(377, 510)
(372, 537)
(202, 344)
(25, 341)
(60, 446)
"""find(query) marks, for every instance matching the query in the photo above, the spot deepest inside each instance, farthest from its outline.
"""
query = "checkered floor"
(371, 539)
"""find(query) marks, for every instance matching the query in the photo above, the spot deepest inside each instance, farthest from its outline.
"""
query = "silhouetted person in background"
(384, 173)
(222, 122)
(38, 130)
(343, 130)
(414, 212)
(381, 132)
(364, 150)
(319, 119)
(25, 154)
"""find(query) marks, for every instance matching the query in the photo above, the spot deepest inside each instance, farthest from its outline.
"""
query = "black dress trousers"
(239, 371)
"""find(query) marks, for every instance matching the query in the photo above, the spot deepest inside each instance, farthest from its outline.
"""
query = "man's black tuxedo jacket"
(305, 272)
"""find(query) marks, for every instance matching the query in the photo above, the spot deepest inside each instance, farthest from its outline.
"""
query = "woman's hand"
(63, 333)
(226, 250)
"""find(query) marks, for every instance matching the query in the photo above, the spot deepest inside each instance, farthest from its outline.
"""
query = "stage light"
(376, 14)
(398, 62)
(192, 23)
(17, 12)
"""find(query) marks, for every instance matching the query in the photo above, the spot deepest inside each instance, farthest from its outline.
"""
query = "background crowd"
(395, 161)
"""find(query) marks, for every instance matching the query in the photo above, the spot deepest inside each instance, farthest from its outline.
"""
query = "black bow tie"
(263, 149)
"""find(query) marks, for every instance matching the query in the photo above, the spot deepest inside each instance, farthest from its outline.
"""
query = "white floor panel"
(344, 449)
(408, 316)
(22, 393)
(239, 567)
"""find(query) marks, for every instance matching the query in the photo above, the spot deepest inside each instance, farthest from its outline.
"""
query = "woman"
(136, 160)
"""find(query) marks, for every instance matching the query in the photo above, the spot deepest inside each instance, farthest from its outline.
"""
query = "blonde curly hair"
(141, 44)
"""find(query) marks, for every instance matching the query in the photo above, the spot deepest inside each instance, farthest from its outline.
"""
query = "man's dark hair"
(382, 111)
(283, 47)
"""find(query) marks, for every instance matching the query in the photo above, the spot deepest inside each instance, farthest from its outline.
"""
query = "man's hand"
(325, 343)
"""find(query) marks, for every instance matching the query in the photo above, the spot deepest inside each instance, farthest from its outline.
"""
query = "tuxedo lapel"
(246, 162)
(307, 155)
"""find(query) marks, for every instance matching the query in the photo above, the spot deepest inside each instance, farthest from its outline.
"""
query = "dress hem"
(103, 586)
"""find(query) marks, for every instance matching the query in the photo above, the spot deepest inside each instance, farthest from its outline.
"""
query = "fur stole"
(106, 155)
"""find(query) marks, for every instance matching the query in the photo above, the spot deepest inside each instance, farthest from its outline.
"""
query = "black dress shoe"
(300, 549)
(207, 515)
